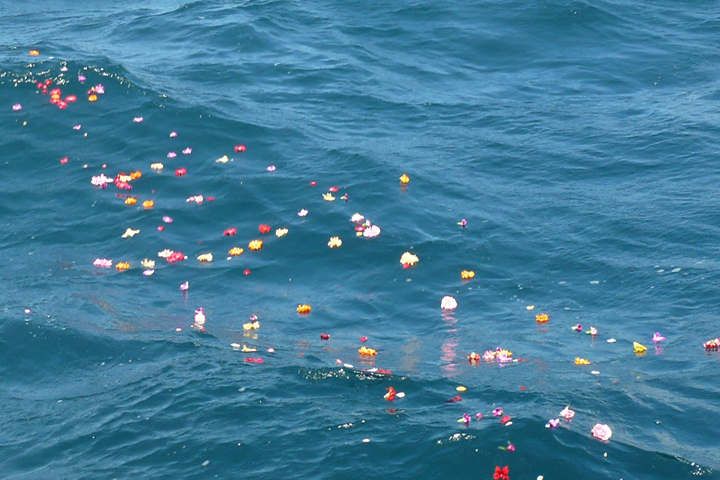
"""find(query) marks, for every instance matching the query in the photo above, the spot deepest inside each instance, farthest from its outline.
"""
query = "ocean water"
(579, 140)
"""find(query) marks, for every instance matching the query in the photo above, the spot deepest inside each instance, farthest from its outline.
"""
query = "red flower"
(264, 228)
(502, 473)
(505, 419)
(390, 396)
(230, 231)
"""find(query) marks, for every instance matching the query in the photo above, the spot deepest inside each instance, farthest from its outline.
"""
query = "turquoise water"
(579, 141)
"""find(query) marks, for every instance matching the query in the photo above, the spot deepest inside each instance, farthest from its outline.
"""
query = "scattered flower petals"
(138, 119)
(180, 172)
(148, 204)
(357, 218)
(254, 360)
(130, 233)
(334, 242)
(165, 253)
(474, 358)
(463, 223)
(230, 232)
(171, 155)
(167, 219)
(235, 251)
(455, 399)
(304, 308)
(593, 331)
(184, 286)
(253, 324)
(390, 395)
(264, 228)
(271, 168)
(240, 148)
(577, 328)
(712, 345)
(371, 232)
(173, 134)
(501, 473)
(601, 432)
(197, 199)
(17, 107)
(77, 127)
(497, 412)
(101, 180)
(553, 423)
(81, 78)
(255, 245)
(448, 303)
(148, 272)
(223, 159)
(199, 318)
(102, 263)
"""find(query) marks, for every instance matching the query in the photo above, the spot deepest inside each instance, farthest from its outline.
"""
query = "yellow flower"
(92, 98)
(639, 348)
(130, 201)
(281, 232)
(334, 242)
(245, 348)
(124, 178)
(542, 317)
(367, 351)
(148, 204)
(581, 361)
(467, 274)
(130, 233)
(148, 263)
(328, 197)
(157, 166)
(251, 326)
(255, 245)
(409, 259)
(205, 257)
(223, 159)
(135, 175)
(304, 308)
(235, 251)
(122, 266)
(404, 179)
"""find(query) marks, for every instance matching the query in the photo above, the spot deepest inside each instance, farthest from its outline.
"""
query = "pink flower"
(566, 413)
(138, 119)
(17, 107)
(302, 213)
(553, 423)
(478, 416)
(657, 338)
(187, 151)
(371, 232)
(173, 134)
(497, 412)
(171, 155)
(601, 432)
(271, 168)
(184, 286)
(77, 127)
(102, 263)
(167, 219)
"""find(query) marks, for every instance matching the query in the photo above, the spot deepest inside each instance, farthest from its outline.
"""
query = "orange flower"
(367, 351)
(467, 274)
(404, 179)
(122, 266)
(235, 251)
(130, 201)
(92, 98)
(255, 245)
(304, 308)
(148, 204)
(542, 317)
(135, 175)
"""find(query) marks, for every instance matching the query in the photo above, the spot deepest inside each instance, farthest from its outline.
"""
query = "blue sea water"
(578, 139)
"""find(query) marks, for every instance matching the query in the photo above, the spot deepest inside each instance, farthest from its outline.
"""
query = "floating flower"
(138, 119)
(240, 148)
(17, 107)
(501, 473)
(254, 360)
(223, 159)
(542, 318)
(497, 412)
(281, 232)
(171, 155)
(176, 257)
(592, 331)
(92, 98)
(553, 423)
(408, 259)
(581, 361)
(328, 197)
(467, 274)
(264, 228)
(255, 245)
(99, 89)
(121, 266)
(601, 432)
(367, 351)
(130, 201)
(577, 328)
(102, 263)
(448, 303)
(371, 231)
(173, 134)
(334, 242)
(167, 219)
(390, 395)
(196, 198)
(235, 251)
(253, 324)
(474, 358)
(304, 308)
(271, 168)
(506, 420)
(187, 151)
(199, 318)
(135, 175)
(148, 272)
(101, 180)
(130, 233)
(639, 348)
(184, 286)
(77, 127)
(34, 53)
(157, 166)
(478, 416)
(205, 257)
(247, 349)
(357, 218)
(455, 399)
(712, 345)
(463, 223)
(657, 338)
(165, 253)
(404, 179)
(180, 172)
(148, 204)
(566, 413)
(147, 263)
(489, 356)
(503, 355)
(230, 232)
(302, 213)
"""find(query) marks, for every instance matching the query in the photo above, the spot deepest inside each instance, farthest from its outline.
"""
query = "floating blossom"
(81, 78)
(130, 201)
(230, 232)
(148, 204)
(205, 257)
(99, 89)
(463, 223)
(542, 318)
(334, 242)
(553, 423)
(489, 356)
(255, 245)
(271, 168)
(184, 286)
(390, 395)
(167, 219)
(122, 266)
(147, 263)
(639, 348)
(102, 263)
(566, 413)
(176, 257)
(199, 319)
(253, 324)
(196, 198)
(302, 213)
(577, 328)
(148, 272)
(77, 127)
(328, 197)
(357, 218)
(371, 232)
(187, 151)
(223, 159)
(264, 228)
(157, 166)
(474, 358)
(171, 155)
(304, 308)
(497, 412)
(601, 432)
(467, 274)
(367, 351)
(138, 119)
(657, 338)
(581, 361)
(173, 134)
(180, 172)
(165, 253)
(247, 349)
(281, 232)
(235, 251)
(448, 303)
(17, 107)
(501, 473)
(130, 233)
(712, 345)
(101, 180)
(478, 416)
(592, 331)
(404, 179)
(408, 260)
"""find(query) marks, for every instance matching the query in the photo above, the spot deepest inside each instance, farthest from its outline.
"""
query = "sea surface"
(578, 140)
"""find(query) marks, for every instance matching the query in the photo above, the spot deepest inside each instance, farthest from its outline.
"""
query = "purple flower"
(497, 412)
(553, 423)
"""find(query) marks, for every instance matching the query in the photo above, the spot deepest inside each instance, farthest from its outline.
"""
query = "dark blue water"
(579, 141)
